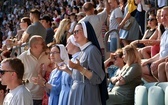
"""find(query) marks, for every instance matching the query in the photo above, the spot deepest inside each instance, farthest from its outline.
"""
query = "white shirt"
(18, 96)
(32, 66)
(116, 13)
(162, 3)
(164, 44)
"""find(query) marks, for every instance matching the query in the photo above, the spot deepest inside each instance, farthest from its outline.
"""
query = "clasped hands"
(39, 80)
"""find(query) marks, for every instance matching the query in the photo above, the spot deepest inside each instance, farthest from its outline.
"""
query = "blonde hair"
(61, 30)
(158, 11)
(165, 8)
(119, 52)
(132, 54)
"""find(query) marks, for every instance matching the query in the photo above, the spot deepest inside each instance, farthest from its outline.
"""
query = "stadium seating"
(154, 93)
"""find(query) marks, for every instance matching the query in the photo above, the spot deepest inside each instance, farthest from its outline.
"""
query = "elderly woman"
(114, 65)
(128, 78)
(88, 71)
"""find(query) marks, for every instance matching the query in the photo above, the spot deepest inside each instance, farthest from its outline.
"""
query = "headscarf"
(84, 29)
(72, 40)
(63, 53)
(89, 33)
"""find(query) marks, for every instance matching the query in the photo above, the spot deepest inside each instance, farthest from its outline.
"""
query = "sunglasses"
(2, 72)
(22, 22)
(151, 19)
(115, 57)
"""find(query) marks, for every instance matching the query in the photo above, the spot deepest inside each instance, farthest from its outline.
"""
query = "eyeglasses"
(76, 31)
(151, 19)
(115, 57)
(54, 52)
(22, 22)
(2, 72)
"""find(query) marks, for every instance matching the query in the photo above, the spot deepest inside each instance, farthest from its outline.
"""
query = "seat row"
(155, 93)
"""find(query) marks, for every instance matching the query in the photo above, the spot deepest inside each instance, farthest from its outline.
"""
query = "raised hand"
(144, 62)
(74, 65)
(65, 68)
(62, 67)
(42, 69)
(39, 80)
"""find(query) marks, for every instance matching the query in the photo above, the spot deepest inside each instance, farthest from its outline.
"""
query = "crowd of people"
(54, 52)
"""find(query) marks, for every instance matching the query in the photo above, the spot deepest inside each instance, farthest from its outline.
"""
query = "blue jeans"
(113, 44)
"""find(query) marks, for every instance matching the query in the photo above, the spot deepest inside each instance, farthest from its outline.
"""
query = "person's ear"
(13, 73)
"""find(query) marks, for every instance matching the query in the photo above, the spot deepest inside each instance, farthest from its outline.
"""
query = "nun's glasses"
(76, 31)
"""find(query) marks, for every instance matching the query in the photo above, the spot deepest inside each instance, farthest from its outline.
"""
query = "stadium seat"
(141, 96)
(166, 96)
(163, 85)
(148, 85)
(155, 96)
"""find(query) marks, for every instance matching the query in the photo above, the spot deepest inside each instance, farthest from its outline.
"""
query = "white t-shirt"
(116, 13)
(18, 96)
(97, 22)
(164, 44)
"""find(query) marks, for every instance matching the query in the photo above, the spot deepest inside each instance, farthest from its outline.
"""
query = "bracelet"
(83, 71)
(138, 41)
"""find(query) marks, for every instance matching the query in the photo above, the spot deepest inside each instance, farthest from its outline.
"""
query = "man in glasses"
(11, 74)
(33, 59)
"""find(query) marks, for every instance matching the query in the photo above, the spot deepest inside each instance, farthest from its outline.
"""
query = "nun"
(72, 49)
(89, 87)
